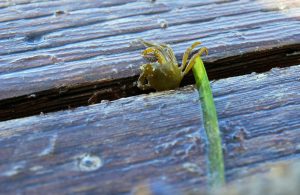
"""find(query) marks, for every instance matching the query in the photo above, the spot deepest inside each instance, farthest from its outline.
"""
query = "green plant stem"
(210, 119)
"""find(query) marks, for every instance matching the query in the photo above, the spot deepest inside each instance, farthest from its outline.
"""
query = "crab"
(162, 71)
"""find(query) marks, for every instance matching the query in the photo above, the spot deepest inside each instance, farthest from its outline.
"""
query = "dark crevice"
(84, 94)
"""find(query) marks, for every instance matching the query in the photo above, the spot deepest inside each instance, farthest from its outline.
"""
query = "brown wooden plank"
(56, 72)
(152, 137)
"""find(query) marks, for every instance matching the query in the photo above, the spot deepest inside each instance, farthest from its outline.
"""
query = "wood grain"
(56, 62)
(110, 147)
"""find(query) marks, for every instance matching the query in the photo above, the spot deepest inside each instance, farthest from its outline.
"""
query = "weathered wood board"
(56, 54)
(110, 147)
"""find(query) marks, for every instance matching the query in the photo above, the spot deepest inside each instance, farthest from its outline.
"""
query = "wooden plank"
(25, 9)
(15, 10)
(39, 33)
(98, 14)
(16, 63)
(280, 177)
(154, 137)
(41, 67)
(7, 3)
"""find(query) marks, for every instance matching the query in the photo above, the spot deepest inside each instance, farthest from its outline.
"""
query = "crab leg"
(192, 60)
(158, 54)
(163, 48)
(187, 54)
(171, 55)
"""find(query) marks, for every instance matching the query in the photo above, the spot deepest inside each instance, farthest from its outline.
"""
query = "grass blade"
(215, 153)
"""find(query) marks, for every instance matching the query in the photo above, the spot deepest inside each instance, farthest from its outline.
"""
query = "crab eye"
(150, 57)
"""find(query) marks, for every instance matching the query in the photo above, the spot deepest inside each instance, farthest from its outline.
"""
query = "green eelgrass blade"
(210, 120)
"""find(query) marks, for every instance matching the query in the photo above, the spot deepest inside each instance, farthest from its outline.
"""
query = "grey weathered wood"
(223, 33)
(55, 62)
(27, 8)
(154, 137)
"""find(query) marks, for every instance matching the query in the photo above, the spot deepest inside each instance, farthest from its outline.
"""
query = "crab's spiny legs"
(151, 51)
(187, 54)
(168, 53)
(192, 60)
(163, 48)
(166, 48)
(158, 46)
(172, 56)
